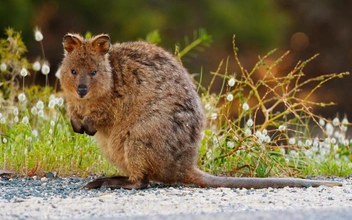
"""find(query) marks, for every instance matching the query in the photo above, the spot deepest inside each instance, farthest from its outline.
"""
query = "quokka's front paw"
(77, 126)
(88, 127)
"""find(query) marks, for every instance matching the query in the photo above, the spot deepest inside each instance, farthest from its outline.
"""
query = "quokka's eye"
(73, 72)
(93, 73)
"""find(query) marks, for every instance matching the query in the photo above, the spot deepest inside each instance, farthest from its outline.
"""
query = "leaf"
(153, 37)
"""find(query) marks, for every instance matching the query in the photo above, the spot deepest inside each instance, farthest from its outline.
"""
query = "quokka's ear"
(101, 43)
(72, 42)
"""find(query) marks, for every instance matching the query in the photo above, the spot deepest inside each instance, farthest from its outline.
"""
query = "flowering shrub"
(271, 134)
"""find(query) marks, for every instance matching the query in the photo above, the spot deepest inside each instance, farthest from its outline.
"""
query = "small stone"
(133, 191)
(44, 179)
(51, 175)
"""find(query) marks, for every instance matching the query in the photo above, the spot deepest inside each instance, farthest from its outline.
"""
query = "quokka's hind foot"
(117, 182)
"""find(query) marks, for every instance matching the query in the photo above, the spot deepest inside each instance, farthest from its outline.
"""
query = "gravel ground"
(64, 198)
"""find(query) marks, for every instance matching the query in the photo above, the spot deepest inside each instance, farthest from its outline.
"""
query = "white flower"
(25, 120)
(15, 119)
(24, 72)
(329, 129)
(258, 134)
(292, 141)
(293, 153)
(345, 121)
(58, 73)
(41, 113)
(45, 69)
(346, 142)
(22, 97)
(36, 66)
(207, 107)
(336, 121)
(282, 151)
(209, 153)
(52, 123)
(250, 122)
(344, 128)
(29, 138)
(231, 82)
(60, 101)
(247, 132)
(34, 110)
(265, 132)
(300, 143)
(39, 105)
(267, 139)
(337, 134)
(341, 138)
(333, 141)
(3, 120)
(336, 147)
(308, 153)
(52, 103)
(316, 143)
(229, 97)
(4, 140)
(38, 35)
(245, 106)
(230, 144)
(308, 142)
(321, 122)
(282, 128)
(3, 67)
(35, 133)
(214, 116)
(51, 97)
(15, 111)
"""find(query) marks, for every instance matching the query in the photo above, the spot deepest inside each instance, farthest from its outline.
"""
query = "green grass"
(36, 141)
(259, 124)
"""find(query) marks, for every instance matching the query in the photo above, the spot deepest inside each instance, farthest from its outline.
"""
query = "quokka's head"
(85, 69)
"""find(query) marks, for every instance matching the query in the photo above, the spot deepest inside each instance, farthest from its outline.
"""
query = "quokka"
(142, 107)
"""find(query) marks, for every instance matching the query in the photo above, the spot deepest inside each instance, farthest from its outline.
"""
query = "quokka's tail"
(203, 179)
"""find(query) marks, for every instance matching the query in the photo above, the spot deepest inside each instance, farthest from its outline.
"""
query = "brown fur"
(143, 109)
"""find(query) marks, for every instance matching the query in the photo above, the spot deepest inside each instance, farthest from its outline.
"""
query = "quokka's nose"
(82, 90)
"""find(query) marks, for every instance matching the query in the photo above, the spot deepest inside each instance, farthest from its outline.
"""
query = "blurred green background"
(304, 27)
